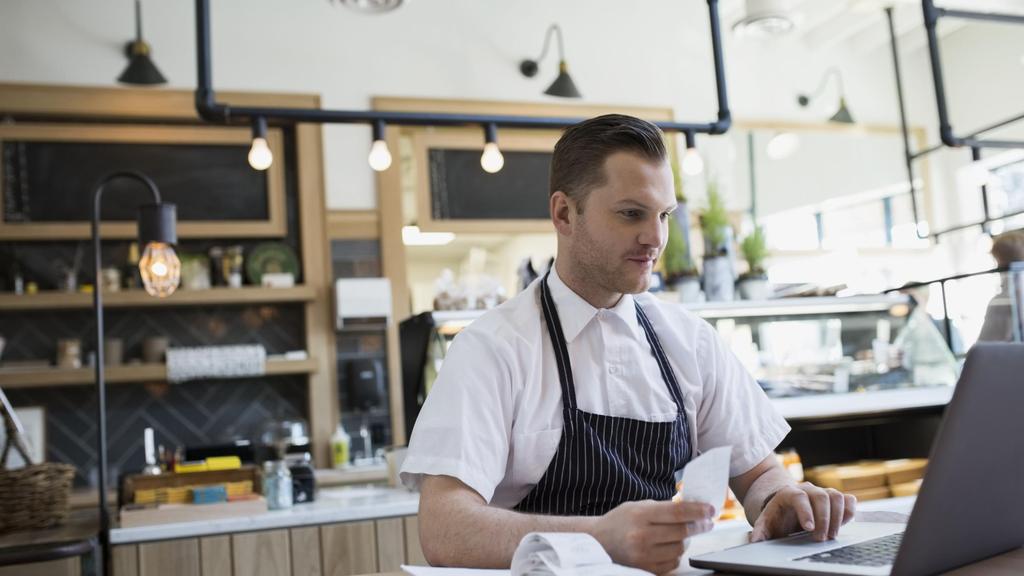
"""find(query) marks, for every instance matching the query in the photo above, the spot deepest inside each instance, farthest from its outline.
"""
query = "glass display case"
(880, 352)
(860, 377)
(826, 345)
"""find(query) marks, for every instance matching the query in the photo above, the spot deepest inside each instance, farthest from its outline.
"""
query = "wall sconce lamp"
(161, 271)
(141, 70)
(693, 164)
(380, 156)
(842, 115)
(492, 159)
(563, 86)
(260, 156)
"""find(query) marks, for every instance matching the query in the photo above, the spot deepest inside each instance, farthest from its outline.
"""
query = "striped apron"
(603, 461)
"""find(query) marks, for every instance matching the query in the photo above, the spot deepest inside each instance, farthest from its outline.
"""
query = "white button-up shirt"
(493, 418)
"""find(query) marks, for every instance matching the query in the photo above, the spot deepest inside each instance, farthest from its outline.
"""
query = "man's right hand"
(651, 535)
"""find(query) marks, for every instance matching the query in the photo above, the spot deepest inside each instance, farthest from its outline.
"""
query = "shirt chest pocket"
(532, 453)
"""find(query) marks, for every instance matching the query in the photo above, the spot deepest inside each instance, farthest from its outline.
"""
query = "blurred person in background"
(920, 296)
(1006, 249)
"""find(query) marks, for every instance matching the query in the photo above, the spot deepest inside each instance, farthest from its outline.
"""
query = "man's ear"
(561, 211)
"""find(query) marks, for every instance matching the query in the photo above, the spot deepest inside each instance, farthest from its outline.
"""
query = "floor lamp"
(160, 270)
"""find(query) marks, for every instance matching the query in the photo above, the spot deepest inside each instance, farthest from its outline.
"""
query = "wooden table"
(52, 551)
(1010, 563)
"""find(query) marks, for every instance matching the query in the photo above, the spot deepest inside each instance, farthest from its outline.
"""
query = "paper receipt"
(706, 478)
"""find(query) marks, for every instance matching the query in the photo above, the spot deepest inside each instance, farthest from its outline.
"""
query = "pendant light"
(492, 160)
(692, 163)
(842, 114)
(380, 156)
(260, 156)
(140, 71)
(563, 86)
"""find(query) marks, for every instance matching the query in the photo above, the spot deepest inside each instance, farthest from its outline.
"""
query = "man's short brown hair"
(1008, 247)
(577, 165)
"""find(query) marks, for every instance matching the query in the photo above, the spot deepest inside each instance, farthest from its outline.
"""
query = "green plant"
(675, 258)
(754, 251)
(677, 180)
(715, 218)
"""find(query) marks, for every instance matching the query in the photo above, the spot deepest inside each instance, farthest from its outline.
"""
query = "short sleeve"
(734, 410)
(464, 427)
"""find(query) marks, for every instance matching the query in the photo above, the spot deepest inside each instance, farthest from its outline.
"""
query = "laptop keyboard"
(877, 552)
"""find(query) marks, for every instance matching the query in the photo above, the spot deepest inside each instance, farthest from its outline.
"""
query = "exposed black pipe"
(984, 222)
(975, 156)
(931, 15)
(908, 157)
(945, 279)
(211, 110)
(947, 323)
(931, 20)
(989, 16)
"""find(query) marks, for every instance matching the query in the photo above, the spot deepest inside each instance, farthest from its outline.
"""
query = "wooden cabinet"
(342, 549)
(66, 567)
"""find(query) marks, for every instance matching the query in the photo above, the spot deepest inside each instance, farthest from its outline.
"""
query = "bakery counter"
(858, 404)
(345, 531)
(333, 505)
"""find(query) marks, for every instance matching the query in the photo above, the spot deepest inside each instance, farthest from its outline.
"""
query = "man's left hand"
(805, 506)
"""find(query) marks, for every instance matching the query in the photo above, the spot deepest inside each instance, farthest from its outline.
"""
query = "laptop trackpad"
(785, 552)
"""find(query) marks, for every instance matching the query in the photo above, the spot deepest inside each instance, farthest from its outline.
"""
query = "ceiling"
(860, 24)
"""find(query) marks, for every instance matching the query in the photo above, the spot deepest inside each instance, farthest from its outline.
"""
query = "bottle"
(277, 485)
(131, 276)
(340, 444)
(19, 280)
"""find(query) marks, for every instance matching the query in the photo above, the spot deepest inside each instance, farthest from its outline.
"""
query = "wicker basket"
(34, 496)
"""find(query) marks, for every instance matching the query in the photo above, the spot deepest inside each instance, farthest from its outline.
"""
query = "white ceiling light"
(372, 6)
(766, 19)
(782, 145)
(411, 236)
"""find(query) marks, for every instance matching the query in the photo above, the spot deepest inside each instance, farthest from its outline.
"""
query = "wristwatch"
(768, 499)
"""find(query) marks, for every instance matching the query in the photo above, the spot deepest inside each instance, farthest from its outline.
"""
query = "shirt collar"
(575, 313)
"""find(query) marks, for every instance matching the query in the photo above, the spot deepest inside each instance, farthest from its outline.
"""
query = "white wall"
(654, 52)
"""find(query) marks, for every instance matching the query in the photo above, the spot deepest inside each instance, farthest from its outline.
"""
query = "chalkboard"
(461, 190)
(54, 181)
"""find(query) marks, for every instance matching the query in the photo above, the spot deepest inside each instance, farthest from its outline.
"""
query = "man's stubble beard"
(592, 266)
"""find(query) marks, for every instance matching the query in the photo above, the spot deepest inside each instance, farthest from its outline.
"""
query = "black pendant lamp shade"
(842, 116)
(563, 85)
(141, 70)
(158, 223)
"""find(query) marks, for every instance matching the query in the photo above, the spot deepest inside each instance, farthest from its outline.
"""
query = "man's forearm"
(767, 484)
(480, 536)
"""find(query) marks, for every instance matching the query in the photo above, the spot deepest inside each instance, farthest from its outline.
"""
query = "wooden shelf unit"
(127, 373)
(55, 300)
(130, 114)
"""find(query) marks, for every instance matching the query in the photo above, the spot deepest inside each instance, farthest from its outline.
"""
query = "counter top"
(333, 505)
(862, 403)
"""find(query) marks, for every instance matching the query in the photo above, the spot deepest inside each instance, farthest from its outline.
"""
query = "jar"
(277, 485)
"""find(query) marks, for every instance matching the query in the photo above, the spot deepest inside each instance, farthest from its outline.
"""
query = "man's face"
(624, 226)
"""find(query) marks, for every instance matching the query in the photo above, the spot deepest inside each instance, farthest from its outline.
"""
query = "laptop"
(970, 504)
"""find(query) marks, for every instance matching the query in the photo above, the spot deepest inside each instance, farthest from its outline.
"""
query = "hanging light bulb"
(160, 269)
(693, 164)
(260, 156)
(380, 156)
(491, 160)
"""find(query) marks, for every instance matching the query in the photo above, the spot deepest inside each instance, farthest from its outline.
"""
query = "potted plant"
(680, 273)
(753, 284)
(719, 277)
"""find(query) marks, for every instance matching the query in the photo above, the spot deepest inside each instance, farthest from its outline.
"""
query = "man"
(569, 407)
(1007, 248)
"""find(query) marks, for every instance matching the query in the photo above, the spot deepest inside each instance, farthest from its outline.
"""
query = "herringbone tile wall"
(186, 414)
